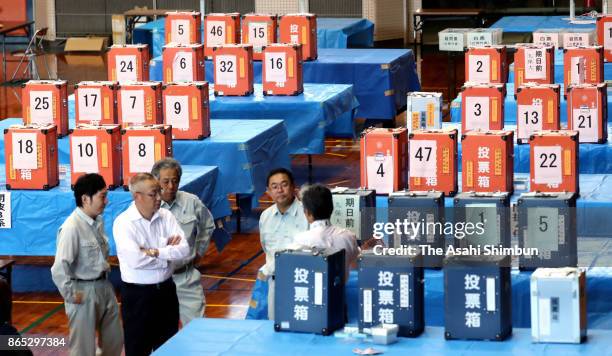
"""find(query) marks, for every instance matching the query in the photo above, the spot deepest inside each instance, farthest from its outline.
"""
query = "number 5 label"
(477, 113)
(547, 164)
(480, 69)
(41, 107)
(84, 154)
(182, 67)
(180, 32)
(423, 159)
(380, 175)
(142, 153)
(24, 151)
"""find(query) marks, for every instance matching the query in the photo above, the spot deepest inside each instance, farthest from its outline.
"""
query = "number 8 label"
(24, 151)
(84, 154)
(547, 164)
(41, 107)
(380, 175)
(142, 153)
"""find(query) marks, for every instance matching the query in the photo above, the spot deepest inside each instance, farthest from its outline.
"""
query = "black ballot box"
(477, 297)
(547, 222)
(424, 214)
(355, 210)
(489, 213)
(309, 291)
(391, 292)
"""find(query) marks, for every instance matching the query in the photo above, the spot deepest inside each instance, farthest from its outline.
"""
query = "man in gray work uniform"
(198, 224)
(80, 272)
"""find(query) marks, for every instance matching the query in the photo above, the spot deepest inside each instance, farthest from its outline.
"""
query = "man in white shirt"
(279, 224)
(318, 207)
(148, 239)
(197, 224)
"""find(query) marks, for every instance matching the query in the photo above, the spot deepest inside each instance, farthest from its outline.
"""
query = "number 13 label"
(142, 153)
(379, 170)
(480, 69)
(41, 107)
(24, 151)
(547, 164)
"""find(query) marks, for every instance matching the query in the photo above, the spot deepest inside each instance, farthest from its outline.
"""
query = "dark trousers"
(150, 316)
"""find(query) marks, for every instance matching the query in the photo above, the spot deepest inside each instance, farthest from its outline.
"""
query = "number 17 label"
(380, 173)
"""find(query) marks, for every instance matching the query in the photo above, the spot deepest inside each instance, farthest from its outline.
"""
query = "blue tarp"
(381, 78)
(532, 23)
(37, 214)
(559, 69)
(257, 337)
(331, 33)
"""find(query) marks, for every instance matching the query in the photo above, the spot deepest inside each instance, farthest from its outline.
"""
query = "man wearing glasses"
(278, 224)
(148, 240)
(197, 224)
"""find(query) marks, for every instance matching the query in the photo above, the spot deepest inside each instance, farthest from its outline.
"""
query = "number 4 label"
(142, 153)
(380, 175)
(480, 69)
(547, 164)
(24, 151)
(423, 159)
(84, 154)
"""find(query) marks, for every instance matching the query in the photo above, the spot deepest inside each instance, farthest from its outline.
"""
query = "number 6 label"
(182, 67)
(41, 107)
(547, 164)
(480, 69)
(142, 153)
(24, 151)
(84, 154)
(380, 173)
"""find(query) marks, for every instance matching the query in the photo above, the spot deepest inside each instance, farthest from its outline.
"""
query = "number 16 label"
(380, 173)
(547, 164)
(142, 153)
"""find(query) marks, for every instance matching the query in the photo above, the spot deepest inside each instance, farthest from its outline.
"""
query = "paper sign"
(84, 154)
(258, 34)
(578, 70)
(535, 63)
(182, 67)
(480, 69)
(477, 112)
(380, 173)
(177, 111)
(142, 153)
(529, 120)
(25, 150)
(132, 106)
(423, 158)
(215, 33)
(41, 107)
(276, 70)
(126, 68)
(586, 123)
(90, 106)
(225, 70)
(180, 32)
(547, 164)
(5, 210)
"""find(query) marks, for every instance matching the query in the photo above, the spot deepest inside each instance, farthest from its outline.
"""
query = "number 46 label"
(380, 173)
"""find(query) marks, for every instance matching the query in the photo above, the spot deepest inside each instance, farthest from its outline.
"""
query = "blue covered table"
(257, 337)
(37, 214)
(331, 33)
(381, 78)
(531, 23)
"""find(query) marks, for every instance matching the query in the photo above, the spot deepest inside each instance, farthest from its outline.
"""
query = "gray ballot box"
(309, 291)
(355, 210)
(491, 211)
(547, 221)
(477, 297)
(426, 208)
(558, 305)
(391, 292)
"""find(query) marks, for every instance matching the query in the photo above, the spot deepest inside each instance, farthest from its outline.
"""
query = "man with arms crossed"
(278, 224)
(148, 240)
(80, 272)
(197, 224)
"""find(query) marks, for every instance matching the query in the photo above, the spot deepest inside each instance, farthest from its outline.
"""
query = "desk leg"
(309, 169)
(238, 214)
(3, 58)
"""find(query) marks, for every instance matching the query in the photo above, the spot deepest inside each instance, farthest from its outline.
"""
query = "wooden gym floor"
(227, 277)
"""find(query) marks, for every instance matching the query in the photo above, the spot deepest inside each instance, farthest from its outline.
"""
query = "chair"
(35, 49)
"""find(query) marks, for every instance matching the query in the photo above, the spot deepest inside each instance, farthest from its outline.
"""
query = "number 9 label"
(142, 153)
(177, 111)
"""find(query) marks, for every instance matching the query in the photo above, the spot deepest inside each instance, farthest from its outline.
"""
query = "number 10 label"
(84, 154)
